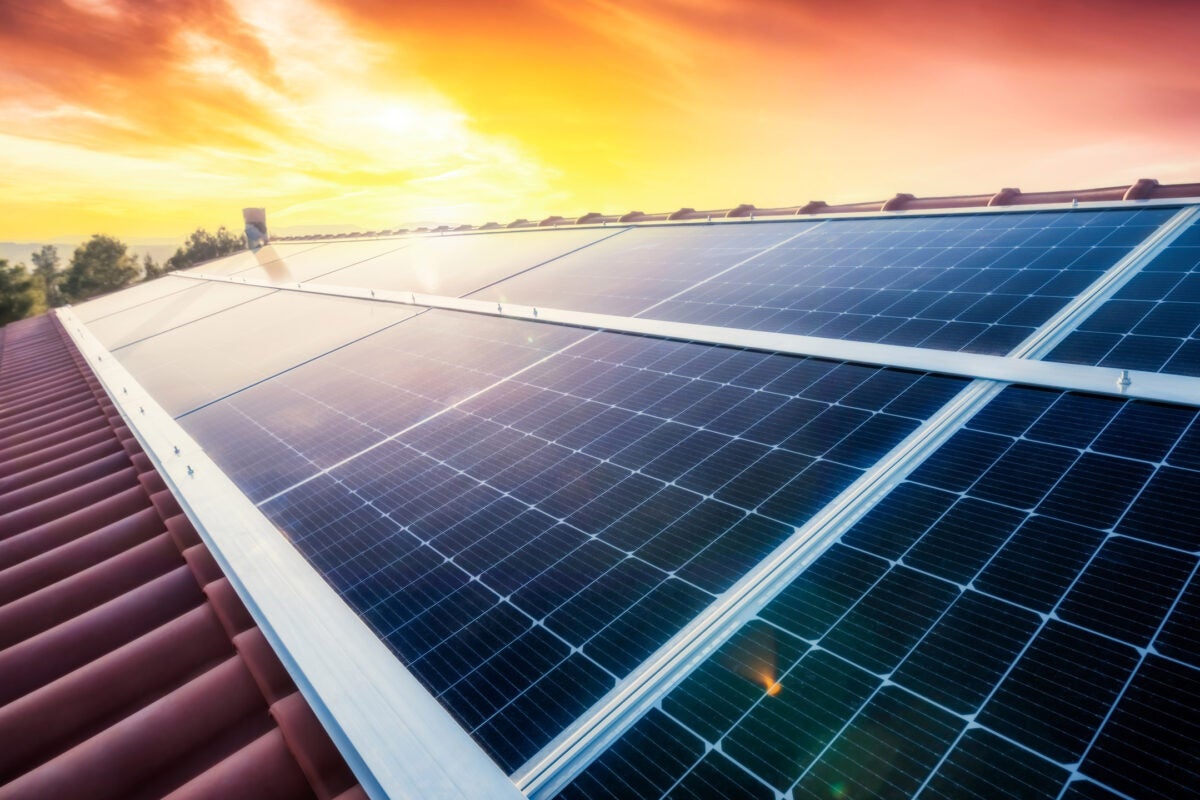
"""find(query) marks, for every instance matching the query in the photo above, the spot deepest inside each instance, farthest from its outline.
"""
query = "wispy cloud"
(207, 106)
(157, 115)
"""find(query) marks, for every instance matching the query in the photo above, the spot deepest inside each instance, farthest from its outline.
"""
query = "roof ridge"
(1141, 189)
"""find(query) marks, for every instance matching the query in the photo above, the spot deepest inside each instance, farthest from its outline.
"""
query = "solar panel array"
(980, 284)
(1018, 615)
(1151, 323)
(525, 512)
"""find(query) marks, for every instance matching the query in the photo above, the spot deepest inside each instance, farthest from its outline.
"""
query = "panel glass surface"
(250, 259)
(196, 301)
(973, 282)
(1017, 615)
(525, 548)
(640, 267)
(131, 297)
(310, 263)
(279, 432)
(1152, 323)
(457, 264)
(204, 360)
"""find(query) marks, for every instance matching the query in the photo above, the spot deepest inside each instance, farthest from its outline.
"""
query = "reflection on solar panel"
(629, 273)
(585, 508)
(1002, 623)
(980, 283)
(205, 359)
(636, 567)
(1152, 322)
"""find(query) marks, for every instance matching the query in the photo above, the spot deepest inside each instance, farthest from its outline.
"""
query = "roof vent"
(682, 213)
(744, 210)
(519, 223)
(256, 227)
(632, 216)
(489, 226)
(812, 207)
(1142, 189)
(897, 203)
(1004, 197)
(590, 218)
(551, 222)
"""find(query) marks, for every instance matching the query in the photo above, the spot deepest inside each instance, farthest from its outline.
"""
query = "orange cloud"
(157, 116)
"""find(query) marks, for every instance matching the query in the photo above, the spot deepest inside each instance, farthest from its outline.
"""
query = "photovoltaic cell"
(549, 510)
(1003, 642)
(632, 271)
(976, 283)
(173, 310)
(264, 258)
(136, 295)
(524, 512)
(458, 264)
(1152, 322)
(294, 265)
(188, 366)
(272, 435)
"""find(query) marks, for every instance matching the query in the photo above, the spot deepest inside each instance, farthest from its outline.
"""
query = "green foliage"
(17, 295)
(45, 272)
(101, 264)
(204, 246)
(151, 269)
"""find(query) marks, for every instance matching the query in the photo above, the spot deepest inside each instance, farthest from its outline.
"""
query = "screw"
(190, 470)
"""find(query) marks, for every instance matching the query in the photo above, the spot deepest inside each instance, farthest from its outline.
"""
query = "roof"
(1141, 189)
(128, 665)
(839, 504)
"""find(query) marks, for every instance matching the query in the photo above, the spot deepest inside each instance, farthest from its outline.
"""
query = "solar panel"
(134, 296)
(524, 513)
(1151, 322)
(306, 419)
(630, 272)
(524, 542)
(195, 363)
(193, 302)
(254, 259)
(458, 264)
(973, 634)
(979, 283)
(292, 264)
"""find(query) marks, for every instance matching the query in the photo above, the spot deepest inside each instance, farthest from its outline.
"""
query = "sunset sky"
(146, 118)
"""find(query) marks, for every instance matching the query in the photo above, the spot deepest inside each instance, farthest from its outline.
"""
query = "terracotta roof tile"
(128, 665)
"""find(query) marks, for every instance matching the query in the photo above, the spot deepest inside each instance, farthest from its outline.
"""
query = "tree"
(101, 264)
(45, 270)
(16, 292)
(204, 246)
(151, 269)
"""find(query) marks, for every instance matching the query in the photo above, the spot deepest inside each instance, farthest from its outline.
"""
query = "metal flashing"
(1070, 377)
(397, 738)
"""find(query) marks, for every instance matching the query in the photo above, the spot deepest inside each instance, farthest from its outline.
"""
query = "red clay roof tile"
(128, 665)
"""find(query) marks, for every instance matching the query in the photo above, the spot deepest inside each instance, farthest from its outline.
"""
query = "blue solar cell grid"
(972, 282)
(525, 544)
(1016, 619)
(1153, 321)
(977, 283)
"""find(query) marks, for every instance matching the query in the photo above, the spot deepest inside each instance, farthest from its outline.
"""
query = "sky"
(149, 118)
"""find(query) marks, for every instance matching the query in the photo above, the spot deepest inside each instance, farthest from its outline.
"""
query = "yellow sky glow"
(146, 119)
